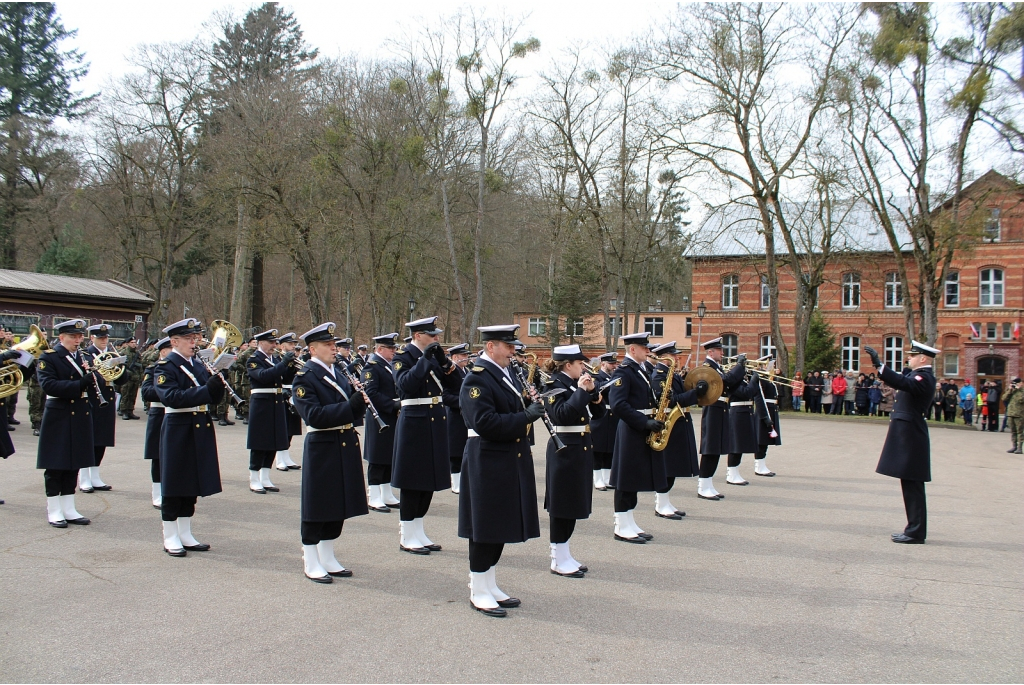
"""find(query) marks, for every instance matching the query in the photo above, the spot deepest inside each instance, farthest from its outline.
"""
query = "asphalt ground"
(791, 578)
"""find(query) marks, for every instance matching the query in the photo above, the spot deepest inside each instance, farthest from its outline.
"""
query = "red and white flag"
(975, 330)
(1016, 330)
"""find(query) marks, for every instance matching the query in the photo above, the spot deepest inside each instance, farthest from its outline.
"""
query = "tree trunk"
(478, 233)
(449, 232)
(238, 312)
(258, 312)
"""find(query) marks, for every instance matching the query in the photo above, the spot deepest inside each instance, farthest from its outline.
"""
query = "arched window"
(990, 288)
(730, 345)
(731, 292)
(851, 353)
(851, 290)
(894, 352)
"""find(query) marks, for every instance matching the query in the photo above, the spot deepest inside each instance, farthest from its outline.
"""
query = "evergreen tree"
(821, 353)
(69, 254)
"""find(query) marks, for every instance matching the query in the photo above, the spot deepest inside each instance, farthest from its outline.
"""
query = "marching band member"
(104, 416)
(907, 451)
(285, 344)
(154, 421)
(497, 499)
(379, 447)
(715, 437)
(766, 406)
(332, 480)
(65, 433)
(188, 442)
(681, 451)
(361, 353)
(268, 425)
(602, 428)
(635, 466)
(457, 431)
(742, 427)
(568, 494)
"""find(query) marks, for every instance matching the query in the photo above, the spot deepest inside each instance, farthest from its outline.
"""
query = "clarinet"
(99, 389)
(236, 400)
(381, 426)
(559, 445)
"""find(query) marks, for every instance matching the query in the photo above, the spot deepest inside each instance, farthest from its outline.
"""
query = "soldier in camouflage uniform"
(36, 399)
(241, 380)
(149, 356)
(9, 403)
(131, 379)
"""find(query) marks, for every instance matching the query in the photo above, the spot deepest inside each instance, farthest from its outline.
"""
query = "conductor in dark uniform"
(189, 468)
(602, 428)
(568, 495)
(65, 433)
(268, 424)
(379, 447)
(635, 466)
(154, 421)
(421, 467)
(907, 451)
(332, 480)
(498, 497)
(285, 344)
(457, 433)
(104, 415)
(681, 451)
(715, 436)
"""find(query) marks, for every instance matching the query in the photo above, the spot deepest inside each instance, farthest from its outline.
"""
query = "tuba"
(658, 440)
(11, 376)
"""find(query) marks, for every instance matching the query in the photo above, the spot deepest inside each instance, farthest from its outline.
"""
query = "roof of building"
(734, 230)
(108, 289)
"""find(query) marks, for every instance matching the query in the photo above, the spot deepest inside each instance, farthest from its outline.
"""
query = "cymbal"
(709, 376)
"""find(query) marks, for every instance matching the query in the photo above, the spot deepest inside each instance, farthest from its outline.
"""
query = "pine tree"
(821, 353)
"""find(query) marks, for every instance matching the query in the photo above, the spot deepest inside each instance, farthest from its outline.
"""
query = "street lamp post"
(701, 311)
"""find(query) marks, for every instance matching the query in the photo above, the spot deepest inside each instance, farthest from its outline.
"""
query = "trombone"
(764, 367)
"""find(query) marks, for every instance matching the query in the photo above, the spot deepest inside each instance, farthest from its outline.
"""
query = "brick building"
(589, 332)
(979, 319)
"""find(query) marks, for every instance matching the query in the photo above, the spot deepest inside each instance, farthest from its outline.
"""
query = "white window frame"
(730, 345)
(538, 327)
(689, 327)
(991, 290)
(851, 290)
(577, 328)
(955, 357)
(893, 290)
(952, 291)
(731, 292)
(991, 331)
(766, 295)
(894, 352)
(766, 347)
(655, 325)
(1007, 330)
(851, 353)
(993, 231)
(615, 324)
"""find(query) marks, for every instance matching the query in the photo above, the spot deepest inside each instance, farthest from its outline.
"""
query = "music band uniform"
(284, 460)
(154, 422)
(104, 415)
(602, 429)
(680, 454)
(379, 446)
(457, 432)
(766, 408)
(715, 437)
(268, 424)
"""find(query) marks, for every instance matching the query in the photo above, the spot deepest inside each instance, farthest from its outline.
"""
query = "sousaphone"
(709, 376)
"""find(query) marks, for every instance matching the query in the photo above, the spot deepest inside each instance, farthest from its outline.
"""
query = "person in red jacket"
(838, 393)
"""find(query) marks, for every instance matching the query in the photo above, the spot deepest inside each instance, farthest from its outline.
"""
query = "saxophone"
(658, 440)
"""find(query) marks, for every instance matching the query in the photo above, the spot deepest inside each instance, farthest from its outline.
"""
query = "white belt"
(421, 400)
(156, 404)
(268, 391)
(287, 387)
(767, 401)
(646, 412)
(748, 403)
(185, 410)
(84, 396)
(347, 426)
(572, 429)
(472, 433)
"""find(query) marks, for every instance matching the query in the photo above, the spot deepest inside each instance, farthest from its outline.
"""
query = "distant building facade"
(589, 332)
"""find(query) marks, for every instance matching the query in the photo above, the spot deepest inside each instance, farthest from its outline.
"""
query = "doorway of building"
(992, 369)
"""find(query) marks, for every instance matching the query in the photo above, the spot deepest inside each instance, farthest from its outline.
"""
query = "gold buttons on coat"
(197, 425)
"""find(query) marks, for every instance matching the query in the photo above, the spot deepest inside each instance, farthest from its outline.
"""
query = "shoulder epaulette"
(299, 373)
(477, 369)
(371, 362)
(162, 361)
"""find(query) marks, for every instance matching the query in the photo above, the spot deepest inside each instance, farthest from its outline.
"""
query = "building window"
(993, 229)
(851, 291)
(1007, 330)
(729, 345)
(18, 323)
(951, 364)
(655, 325)
(766, 295)
(851, 353)
(689, 327)
(731, 292)
(990, 331)
(121, 330)
(975, 330)
(991, 288)
(766, 348)
(614, 326)
(538, 327)
(574, 329)
(953, 289)
(894, 352)
(893, 290)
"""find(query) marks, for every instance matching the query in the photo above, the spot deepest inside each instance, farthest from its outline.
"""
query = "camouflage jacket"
(1014, 401)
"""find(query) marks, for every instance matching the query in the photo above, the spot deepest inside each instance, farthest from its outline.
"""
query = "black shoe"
(680, 514)
(583, 568)
(906, 539)
(35, 432)
(282, 468)
(294, 467)
(222, 422)
(510, 603)
(713, 498)
(729, 482)
(382, 510)
(125, 417)
(85, 491)
(271, 488)
(636, 541)
(245, 422)
(573, 574)
(79, 521)
(201, 547)
(58, 524)
(496, 613)
(670, 517)
(104, 487)
(10, 428)
(433, 548)
(321, 579)
(646, 536)
(13, 421)
(1, 501)
(260, 491)
(766, 475)
(1011, 450)
(605, 489)
(176, 552)
(414, 550)
(343, 573)
(226, 422)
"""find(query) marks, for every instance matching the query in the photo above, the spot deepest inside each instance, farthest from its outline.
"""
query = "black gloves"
(356, 400)
(655, 425)
(740, 359)
(214, 380)
(702, 388)
(534, 411)
(9, 354)
(432, 350)
(288, 356)
(875, 360)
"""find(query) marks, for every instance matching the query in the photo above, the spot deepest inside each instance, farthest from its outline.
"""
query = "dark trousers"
(993, 417)
(314, 532)
(708, 465)
(414, 504)
(968, 416)
(849, 408)
(99, 451)
(624, 501)
(378, 474)
(602, 460)
(59, 481)
(261, 459)
(735, 458)
(484, 555)
(561, 529)
(173, 508)
(154, 470)
(455, 462)
(837, 406)
(671, 481)
(12, 405)
(762, 452)
(814, 403)
(917, 510)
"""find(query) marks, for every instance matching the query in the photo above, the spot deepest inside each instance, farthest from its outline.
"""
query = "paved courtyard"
(791, 578)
